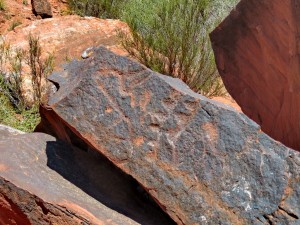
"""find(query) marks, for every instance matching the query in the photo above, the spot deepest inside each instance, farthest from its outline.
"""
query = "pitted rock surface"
(203, 162)
(257, 53)
(45, 181)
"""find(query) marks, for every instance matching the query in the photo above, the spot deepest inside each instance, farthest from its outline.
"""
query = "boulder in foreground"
(257, 52)
(203, 162)
(45, 181)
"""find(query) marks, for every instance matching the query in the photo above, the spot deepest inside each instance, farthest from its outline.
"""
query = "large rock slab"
(202, 161)
(257, 53)
(45, 181)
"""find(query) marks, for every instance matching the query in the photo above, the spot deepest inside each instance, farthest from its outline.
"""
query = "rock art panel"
(257, 53)
(203, 162)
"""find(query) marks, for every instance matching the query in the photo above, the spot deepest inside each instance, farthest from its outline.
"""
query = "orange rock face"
(257, 53)
(67, 37)
(21, 12)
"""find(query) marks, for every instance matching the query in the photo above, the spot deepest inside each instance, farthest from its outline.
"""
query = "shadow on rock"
(99, 178)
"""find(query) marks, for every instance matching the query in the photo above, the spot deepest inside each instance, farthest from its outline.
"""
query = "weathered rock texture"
(41, 8)
(203, 162)
(67, 37)
(257, 53)
(6, 131)
(44, 181)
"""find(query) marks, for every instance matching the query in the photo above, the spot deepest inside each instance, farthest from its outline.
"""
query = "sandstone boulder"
(67, 37)
(45, 181)
(257, 53)
(42, 8)
(203, 162)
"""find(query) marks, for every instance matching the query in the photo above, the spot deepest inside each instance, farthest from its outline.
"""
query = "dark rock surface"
(42, 8)
(45, 181)
(203, 162)
(257, 53)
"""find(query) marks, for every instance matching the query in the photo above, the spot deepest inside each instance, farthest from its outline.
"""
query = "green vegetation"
(97, 8)
(14, 24)
(40, 68)
(168, 36)
(25, 2)
(16, 109)
(173, 40)
(2, 5)
(25, 120)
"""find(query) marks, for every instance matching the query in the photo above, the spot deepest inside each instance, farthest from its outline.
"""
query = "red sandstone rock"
(257, 53)
(227, 100)
(21, 11)
(67, 37)
(45, 181)
(32, 193)
(15, 12)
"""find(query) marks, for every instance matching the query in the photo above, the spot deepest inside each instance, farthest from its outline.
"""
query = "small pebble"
(87, 53)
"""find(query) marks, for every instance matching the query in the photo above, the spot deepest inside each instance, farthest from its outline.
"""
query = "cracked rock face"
(203, 162)
(257, 53)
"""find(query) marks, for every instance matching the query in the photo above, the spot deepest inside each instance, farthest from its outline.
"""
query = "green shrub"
(171, 37)
(2, 5)
(40, 68)
(11, 65)
(15, 110)
(25, 120)
(11, 114)
(14, 24)
(97, 8)
(168, 36)
(13, 84)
